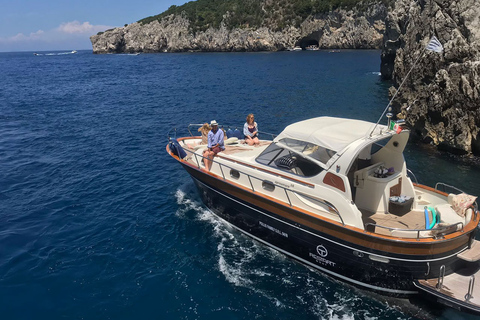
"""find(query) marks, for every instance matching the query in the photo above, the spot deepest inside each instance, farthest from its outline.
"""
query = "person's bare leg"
(206, 161)
(210, 157)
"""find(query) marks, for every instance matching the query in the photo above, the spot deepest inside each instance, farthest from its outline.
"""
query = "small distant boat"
(74, 51)
(312, 48)
(35, 54)
(295, 49)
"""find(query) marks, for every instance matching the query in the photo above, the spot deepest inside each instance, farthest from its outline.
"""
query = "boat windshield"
(309, 149)
(290, 160)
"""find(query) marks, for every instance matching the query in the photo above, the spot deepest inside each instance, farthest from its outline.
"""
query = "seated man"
(215, 144)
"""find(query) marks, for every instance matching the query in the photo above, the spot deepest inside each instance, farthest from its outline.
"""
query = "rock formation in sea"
(340, 28)
(440, 98)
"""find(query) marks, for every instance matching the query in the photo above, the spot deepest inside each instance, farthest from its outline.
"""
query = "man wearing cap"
(215, 144)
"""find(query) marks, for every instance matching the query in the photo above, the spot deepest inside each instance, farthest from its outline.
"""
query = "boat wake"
(269, 275)
(187, 204)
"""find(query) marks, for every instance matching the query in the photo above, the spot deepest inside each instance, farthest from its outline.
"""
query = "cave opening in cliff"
(306, 42)
(476, 145)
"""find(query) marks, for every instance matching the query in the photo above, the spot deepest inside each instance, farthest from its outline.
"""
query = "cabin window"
(267, 185)
(234, 174)
(297, 163)
(379, 145)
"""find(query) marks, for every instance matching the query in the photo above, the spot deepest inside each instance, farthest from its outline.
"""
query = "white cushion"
(447, 214)
(231, 140)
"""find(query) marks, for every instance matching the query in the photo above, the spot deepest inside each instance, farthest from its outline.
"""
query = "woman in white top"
(250, 131)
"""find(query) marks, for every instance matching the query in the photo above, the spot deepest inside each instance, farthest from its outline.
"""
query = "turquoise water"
(98, 222)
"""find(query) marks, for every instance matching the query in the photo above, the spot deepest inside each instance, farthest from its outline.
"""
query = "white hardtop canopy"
(332, 133)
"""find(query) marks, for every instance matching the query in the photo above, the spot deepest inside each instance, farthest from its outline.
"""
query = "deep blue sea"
(98, 222)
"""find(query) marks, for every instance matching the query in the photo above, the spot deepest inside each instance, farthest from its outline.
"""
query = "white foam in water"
(186, 204)
(233, 274)
(336, 311)
(236, 253)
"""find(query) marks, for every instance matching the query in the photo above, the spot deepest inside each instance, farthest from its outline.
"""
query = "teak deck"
(412, 220)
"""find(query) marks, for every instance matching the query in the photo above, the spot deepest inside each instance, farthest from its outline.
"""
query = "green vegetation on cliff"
(203, 14)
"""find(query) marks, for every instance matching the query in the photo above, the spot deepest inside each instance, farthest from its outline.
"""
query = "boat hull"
(359, 265)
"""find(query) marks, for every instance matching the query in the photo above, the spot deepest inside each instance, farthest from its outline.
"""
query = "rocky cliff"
(337, 29)
(440, 97)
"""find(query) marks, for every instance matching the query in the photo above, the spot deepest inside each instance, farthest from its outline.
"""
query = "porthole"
(395, 144)
(267, 185)
(358, 254)
(234, 174)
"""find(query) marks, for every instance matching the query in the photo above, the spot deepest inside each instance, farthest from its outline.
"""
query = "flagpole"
(390, 102)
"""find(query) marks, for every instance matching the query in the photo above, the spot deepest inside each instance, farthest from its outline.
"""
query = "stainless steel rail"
(445, 186)
(440, 277)
(413, 175)
(471, 285)
(169, 132)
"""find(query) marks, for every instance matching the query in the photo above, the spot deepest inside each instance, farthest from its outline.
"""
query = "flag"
(395, 127)
(434, 45)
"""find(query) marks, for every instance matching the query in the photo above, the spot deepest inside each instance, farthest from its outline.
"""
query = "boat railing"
(222, 166)
(440, 186)
(437, 232)
(170, 132)
(198, 125)
(409, 172)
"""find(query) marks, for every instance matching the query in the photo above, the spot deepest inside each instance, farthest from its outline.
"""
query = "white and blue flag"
(434, 45)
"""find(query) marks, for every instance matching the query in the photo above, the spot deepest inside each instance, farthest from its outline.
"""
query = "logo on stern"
(320, 256)
(322, 251)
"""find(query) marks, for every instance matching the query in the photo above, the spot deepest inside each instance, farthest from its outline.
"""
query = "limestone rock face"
(337, 29)
(442, 91)
(347, 29)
